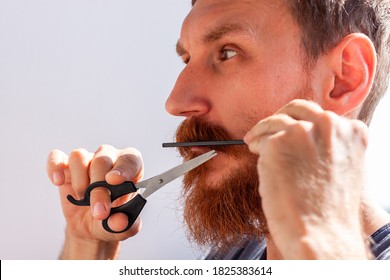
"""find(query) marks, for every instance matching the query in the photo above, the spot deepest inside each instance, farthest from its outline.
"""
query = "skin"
(85, 237)
(245, 71)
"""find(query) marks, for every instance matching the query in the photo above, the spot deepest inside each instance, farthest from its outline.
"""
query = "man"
(293, 79)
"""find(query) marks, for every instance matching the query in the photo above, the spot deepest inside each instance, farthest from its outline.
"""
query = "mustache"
(198, 130)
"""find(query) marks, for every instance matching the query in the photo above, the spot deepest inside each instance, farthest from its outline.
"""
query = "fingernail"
(246, 138)
(57, 178)
(99, 209)
(116, 172)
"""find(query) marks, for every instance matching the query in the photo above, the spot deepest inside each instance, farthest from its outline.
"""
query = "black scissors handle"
(116, 191)
(131, 209)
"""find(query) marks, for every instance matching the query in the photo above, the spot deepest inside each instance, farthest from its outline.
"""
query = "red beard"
(221, 213)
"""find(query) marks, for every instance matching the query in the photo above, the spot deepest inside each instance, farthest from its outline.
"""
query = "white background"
(80, 73)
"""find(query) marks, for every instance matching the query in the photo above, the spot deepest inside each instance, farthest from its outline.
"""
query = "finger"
(100, 165)
(300, 109)
(266, 127)
(128, 167)
(119, 222)
(79, 161)
(100, 203)
(102, 162)
(56, 164)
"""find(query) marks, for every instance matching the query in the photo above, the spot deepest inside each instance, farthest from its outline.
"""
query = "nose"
(189, 95)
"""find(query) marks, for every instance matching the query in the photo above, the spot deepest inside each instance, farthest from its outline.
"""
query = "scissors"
(133, 208)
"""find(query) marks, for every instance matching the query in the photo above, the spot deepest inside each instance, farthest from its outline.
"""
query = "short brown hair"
(324, 23)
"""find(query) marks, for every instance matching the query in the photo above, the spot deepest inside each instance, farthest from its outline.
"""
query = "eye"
(227, 54)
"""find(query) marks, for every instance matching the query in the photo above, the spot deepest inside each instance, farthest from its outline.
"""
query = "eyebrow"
(224, 30)
(218, 33)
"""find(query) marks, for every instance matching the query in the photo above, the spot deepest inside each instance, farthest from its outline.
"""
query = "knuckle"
(133, 167)
(299, 127)
(292, 104)
(104, 148)
(326, 122)
(132, 156)
(359, 127)
(360, 131)
(132, 151)
(101, 161)
(296, 134)
(56, 159)
(327, 118)
(77, 154)
(131, 163)
(52, 158)
(298, 130)
(296, 102)
(54, 153)
(100, 193)
(302, 103)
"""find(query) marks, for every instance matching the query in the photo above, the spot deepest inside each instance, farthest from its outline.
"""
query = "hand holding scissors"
(134, 207)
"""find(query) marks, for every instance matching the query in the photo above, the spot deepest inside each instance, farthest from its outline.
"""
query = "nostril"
(186, 105)
(189, 95)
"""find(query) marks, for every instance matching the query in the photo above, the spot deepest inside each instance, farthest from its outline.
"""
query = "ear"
(353, 64)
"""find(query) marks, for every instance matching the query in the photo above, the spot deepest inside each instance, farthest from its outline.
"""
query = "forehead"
(254, 16)
(222, 4)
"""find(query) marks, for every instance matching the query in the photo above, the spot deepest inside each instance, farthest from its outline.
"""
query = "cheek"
(254, 94)
(271, 91)
(239, 121)
(241, 114)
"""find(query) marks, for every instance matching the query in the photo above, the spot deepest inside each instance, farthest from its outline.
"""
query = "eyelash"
(221, 55)
(224, 52)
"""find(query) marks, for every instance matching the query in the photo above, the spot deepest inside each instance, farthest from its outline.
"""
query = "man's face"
(243, 62)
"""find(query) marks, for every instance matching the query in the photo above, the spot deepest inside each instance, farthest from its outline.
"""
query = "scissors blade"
(155, 183)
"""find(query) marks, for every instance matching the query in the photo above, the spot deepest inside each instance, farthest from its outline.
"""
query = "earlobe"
(353, 61)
